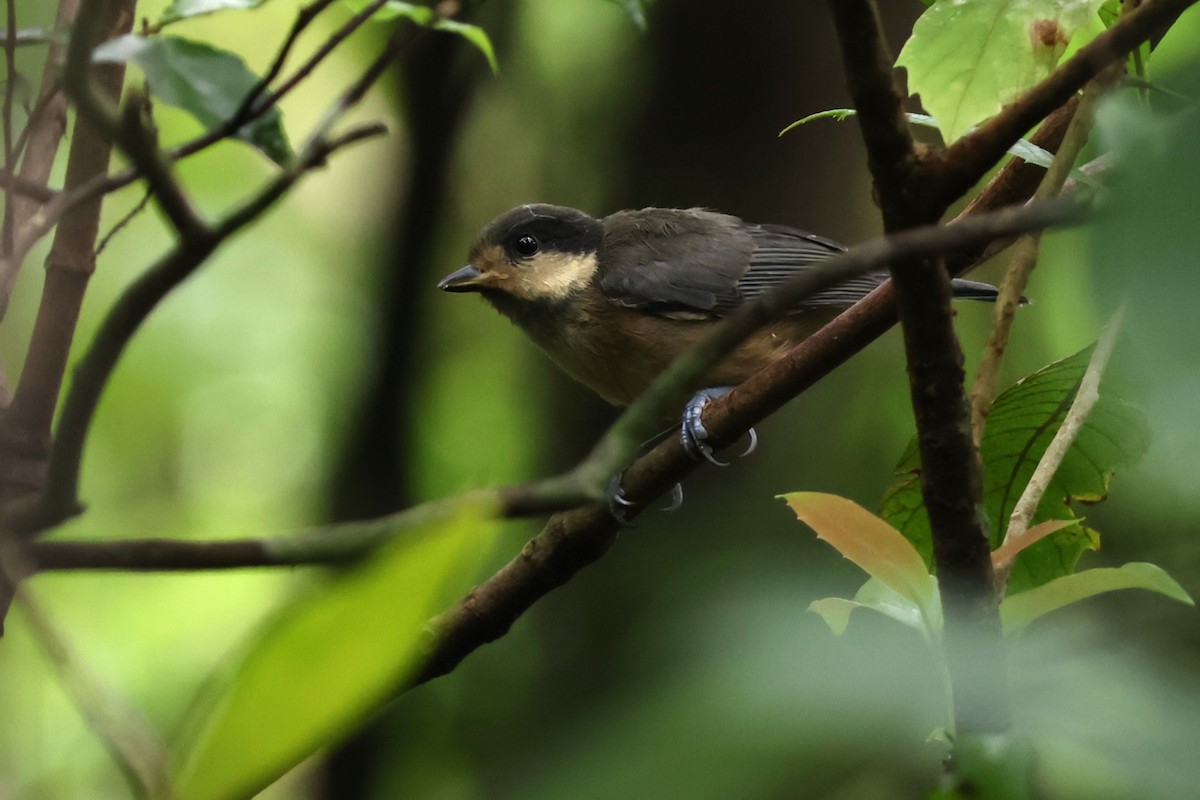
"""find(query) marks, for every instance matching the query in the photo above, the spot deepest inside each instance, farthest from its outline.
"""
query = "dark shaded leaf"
(207, 82)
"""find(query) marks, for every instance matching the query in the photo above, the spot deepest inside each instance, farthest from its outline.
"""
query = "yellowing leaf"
(866, 540)
(1017, 611)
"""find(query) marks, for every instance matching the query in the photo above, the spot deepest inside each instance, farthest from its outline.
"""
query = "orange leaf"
(866, 540)
(1009, 550)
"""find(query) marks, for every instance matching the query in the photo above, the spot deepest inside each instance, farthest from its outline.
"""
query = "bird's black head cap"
(528, 230)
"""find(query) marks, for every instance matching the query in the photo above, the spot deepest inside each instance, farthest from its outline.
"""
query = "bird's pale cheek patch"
(556, 275)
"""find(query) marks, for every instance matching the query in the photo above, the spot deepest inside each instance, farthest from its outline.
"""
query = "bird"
(613, 301)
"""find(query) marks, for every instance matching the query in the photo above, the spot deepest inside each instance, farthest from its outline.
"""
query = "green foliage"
(206, 81)
(1021, 425)
(425, 16)
(329, 660)
(968, 59)
(1017, 611)
(183, 9)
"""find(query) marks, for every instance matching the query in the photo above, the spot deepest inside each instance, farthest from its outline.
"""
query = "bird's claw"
(750, 448)
(618, 502)
(676, 498)
(693, 433)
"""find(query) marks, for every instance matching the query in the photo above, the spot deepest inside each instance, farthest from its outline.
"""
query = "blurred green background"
(312, 372)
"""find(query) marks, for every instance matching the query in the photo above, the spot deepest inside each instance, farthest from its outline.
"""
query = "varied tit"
(613, 301)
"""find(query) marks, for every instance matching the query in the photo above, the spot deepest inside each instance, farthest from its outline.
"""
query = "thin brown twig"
(1012, 288)
(25, 427)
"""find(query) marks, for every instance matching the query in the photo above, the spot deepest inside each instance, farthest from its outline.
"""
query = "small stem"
(1085, 400)
(1012, 288)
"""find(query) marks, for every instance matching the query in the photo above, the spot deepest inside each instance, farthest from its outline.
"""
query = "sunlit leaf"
(866, 540)
(426, 16)
(329, 659)
(1017, 611)
(182, 9)
(968, 59)
(1023, 420)
(206, 81)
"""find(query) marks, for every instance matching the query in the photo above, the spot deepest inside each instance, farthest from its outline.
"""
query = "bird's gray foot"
(695, 435)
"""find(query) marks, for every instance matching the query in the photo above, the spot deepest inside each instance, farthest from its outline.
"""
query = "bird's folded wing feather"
(703, 264)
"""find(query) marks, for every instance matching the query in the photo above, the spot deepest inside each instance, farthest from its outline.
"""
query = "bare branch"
(983, 389)
(25, 428)
(45, 130)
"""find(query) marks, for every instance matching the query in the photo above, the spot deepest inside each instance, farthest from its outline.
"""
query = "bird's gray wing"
(700, 264)
(677, 263)
(781, 252)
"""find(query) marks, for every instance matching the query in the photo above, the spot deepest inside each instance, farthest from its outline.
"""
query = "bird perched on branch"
(613, 301)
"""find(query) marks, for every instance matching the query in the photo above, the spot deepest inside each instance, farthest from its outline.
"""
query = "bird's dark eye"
(526, 245)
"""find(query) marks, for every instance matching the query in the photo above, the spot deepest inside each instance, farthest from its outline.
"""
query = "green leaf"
(183, 9)
(866, 540)
(425, 16)
(1017, 611)
(1023, 420)
(207, 82)
(636, 9)
(878, 596)
(968, 59)
(330, 659)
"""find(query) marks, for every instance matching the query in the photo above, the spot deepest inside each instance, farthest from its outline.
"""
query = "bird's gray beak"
(467, 279)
